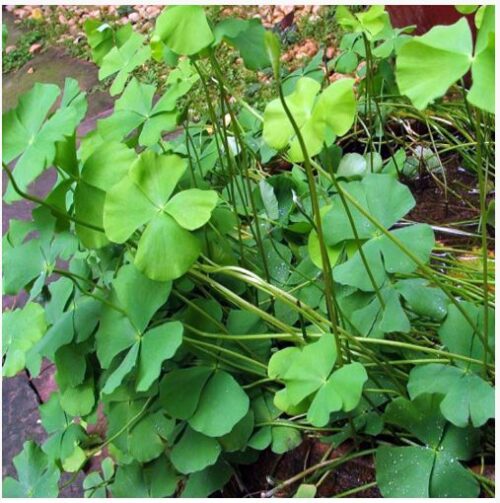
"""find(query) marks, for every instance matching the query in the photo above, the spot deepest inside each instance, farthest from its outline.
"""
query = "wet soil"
(259, 479)
(447, 199)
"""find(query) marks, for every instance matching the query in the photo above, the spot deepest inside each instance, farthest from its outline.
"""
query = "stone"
(35, 48)
(10, 48)
(134, 17)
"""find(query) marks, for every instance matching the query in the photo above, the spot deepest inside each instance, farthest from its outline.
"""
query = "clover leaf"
(457, 334)
(94, 485)
(154, 480)
(166, 250)
(309, 370)
(135, 109)
(138, 298)
(30, 133)
(211, 401)
(66, 441)
(333, 111)
(432, 469)
(426, 66)
(23, 328)
(103, 169)
(102, 38)
(37, 476)
(124, 59)
(369, 194)
(76, 324)
(205, 482)
(207, 452)
(467, 398)
(33, 260)
(148, 436)
(184, 29)
(247, 36)
(370, 22)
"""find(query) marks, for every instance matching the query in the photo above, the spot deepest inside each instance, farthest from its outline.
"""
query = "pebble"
(35, 48)
(134, 17)
(9, 49)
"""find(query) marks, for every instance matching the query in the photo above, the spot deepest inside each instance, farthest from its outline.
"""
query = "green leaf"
(23, 328)
(353, 271)
(125, 367)
(310, 368)
(342, 391)
(180, 390)
(53, 417)
(147, 437)
(206, 452)
(273, 49)
(247, 36)
(352, 166)
(37, 477)
(124, 60)
(369, 194)
(157, 176)
(103, 169)
(222, 404)
(77, 324)
(93, 486)
(184, 29)
(466, 9)
(135, 110)
(457, 334)
(422, 299)
(161, 478)
(205, 482)
(426, 66)
(161, 235)
(192, 208)
(71, 366)
(467, 398)
(312, 116)
(285, 439)
(278, 130)
(31, 137)
(157, 345)
(435, 470)
(139, 296)
(305, 491)
(419, 238)
(126, 208)
(404, 472)
(482, 91)
(80, 400)
(130, 482)
(237, 438)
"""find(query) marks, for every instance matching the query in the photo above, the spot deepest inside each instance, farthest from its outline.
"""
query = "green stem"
(41, 202)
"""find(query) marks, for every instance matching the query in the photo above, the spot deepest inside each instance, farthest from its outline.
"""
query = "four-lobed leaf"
(37, 476)
(319, 118)
(467, 398)
(22, 329)
(166, 249)
(30, 132)
(431, 469)
(122, 60)
(184, 29)
(308, 371)
(212, 402)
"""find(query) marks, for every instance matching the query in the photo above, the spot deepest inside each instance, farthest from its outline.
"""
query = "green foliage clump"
(212, 308)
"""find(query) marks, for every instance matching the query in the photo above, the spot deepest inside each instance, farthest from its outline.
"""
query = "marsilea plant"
(204, 310)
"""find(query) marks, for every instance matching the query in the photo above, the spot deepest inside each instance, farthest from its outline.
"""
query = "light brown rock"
(35, 48)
